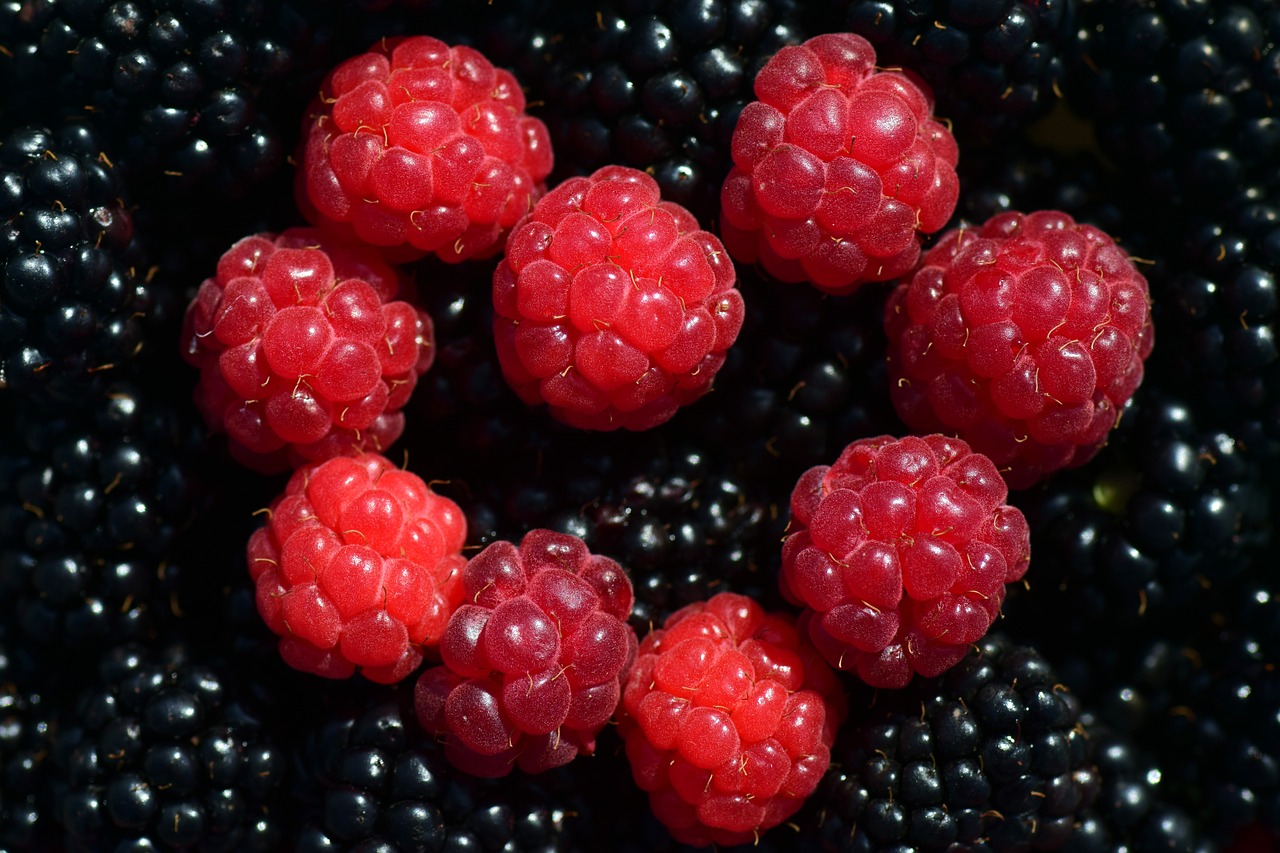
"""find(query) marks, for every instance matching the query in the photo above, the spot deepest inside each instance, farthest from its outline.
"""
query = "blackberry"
(1222, 308)
(26, 814)
(72, 298)
(1182, 93)
(988, 756)
(370, 780)
(992, 66)
(657, 85)
(90, 506)
(806, 377)
(1168, 509)
(162, 753)
(191, 92)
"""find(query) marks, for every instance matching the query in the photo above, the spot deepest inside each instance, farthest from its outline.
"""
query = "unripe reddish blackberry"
(418, 147)
(304, 352)
(838, 168)
(728, 716)
(900, 553)
(534, 660)
(1025, 337)
(612, 306)
(359, 565)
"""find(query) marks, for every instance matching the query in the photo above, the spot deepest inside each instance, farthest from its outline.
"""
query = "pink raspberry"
(728, 717)
(359, 565)
(611, 306)
(533, 662)
(419, 147)
(1025, 337)
(304, 354)
(900, 553)
(836, 168)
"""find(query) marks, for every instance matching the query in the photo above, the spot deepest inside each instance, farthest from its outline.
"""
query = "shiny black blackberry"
(163, 754)
(72, 298)
(686, 526)
(1184, 93)
(988, 756)
(805, 378)
(26, 712)
(1132, 540)
(372, 780)
(191, 93)
(657, 85)
(90, 506)
(992, 64)
(1220, 306)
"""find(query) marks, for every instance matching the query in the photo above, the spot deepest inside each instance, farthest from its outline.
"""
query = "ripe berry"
(728, 717)
(533, 663)
(304, 353)
(611, 306)
(359, 565)
(418, 147)
(837, 168)
(900, 553)
(1025, 337)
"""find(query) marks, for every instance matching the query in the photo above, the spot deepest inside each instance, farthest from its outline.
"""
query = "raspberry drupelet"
(418, 147)
(359, 565)
(612, 306)
(728, 716)
(900, 553)
(838, 168)
(1026, 337)
(534, 660)
(304, 352)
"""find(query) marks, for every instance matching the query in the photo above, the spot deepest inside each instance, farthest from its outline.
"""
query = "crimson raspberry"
(533, 662)
(419, 147)
(837, 168)
(611, 306)
(304, 353)
(359, 565)
(728, 717)
(1025, 337)
(900, 553)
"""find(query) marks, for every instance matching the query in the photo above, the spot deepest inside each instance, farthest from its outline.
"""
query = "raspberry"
(900, 553)
(728, 717)
(303, 353)
(359, 565)
(1025, 337)
(836, 168)
(533, 663)
(419, 147)
(611, 306)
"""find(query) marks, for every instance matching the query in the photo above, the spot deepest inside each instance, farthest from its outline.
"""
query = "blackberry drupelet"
(163, 754)
(26, 713)
(1222, 308)
(90, 505)
(989, 754)
(191, 93)
(992, 65)
(371, 780)
(72, 298)
(1168, 509)
(657, 85)
(1184, 92)
(806, 377)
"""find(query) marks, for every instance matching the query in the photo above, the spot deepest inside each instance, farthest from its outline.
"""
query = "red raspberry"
(921, 516)
(419, 147)
(611, 306)
(359, 565)
(303, 353)
(1025, 337)
(728, 718)
(836, 168)
(533, 663)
